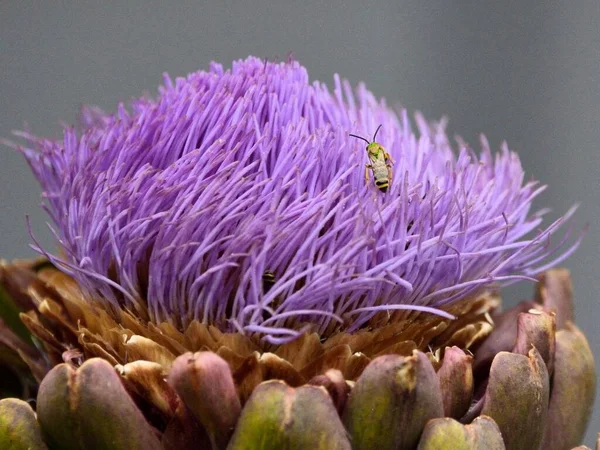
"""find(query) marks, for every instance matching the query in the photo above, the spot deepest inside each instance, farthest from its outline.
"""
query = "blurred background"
(528, 74)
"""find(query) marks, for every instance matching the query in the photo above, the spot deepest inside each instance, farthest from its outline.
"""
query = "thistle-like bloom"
(229, 279)
(176, 209)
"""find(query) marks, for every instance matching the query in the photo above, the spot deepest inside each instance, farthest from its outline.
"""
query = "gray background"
(525, 73)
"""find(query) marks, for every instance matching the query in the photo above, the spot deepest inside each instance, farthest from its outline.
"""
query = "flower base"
(523, 378)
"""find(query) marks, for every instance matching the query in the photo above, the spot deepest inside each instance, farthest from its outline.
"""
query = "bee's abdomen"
(268, 280)
(382, 185)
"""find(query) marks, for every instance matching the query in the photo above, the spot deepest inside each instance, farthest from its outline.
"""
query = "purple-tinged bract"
(176, 208)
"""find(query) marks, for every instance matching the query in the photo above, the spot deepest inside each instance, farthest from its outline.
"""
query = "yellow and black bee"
(380, 163)
(268, 280)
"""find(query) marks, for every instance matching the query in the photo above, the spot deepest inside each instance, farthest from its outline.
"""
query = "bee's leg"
(388, 158)
(367, 167)
(390, 174)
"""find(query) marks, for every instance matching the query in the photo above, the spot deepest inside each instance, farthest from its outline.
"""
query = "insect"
(408, 228)
(268, 280)
(380, 163)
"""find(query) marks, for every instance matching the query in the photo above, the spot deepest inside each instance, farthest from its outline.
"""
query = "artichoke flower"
(228, 278)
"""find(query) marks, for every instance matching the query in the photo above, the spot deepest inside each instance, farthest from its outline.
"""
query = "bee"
(268, 280)
(408, 228)
(380, 163)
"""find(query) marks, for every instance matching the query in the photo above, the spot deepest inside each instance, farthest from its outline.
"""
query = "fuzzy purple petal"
(177, 207)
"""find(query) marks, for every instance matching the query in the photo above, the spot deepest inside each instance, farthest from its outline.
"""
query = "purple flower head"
(238, 198)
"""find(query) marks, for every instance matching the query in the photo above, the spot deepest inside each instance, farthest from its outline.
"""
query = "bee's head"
(374, 149)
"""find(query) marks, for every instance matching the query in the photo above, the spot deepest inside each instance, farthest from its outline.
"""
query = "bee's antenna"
(360, 137)
(376, 131)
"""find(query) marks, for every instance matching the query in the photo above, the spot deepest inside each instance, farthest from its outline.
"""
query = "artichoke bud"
(277, 416)
(537, 328)
(456, 382)
(204, 382)
(392, 401)
(573, 390)
(517, 398)
(19, 429)
(230, 217)
(90, 408)
(449, 434)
